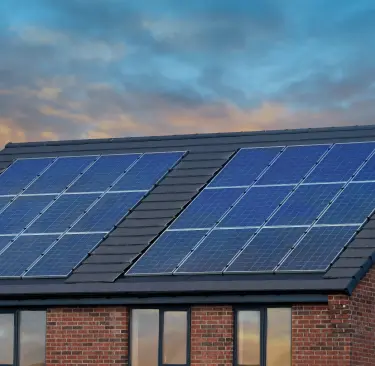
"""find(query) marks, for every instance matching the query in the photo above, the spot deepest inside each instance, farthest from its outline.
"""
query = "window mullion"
(263, 337)
(16, 347)
(161, 337)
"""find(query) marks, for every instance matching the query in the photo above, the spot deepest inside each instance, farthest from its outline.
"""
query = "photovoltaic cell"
(341, 162)
(305, 205)
(20, 174)
(21, 212)
(60, 174)
(293, 164)
(4, 201)
(255, 206)
(207, 208)
(266, 250)
(22, 253)
(107, 212)
(147, 171)
(318, 248)
(4, 241)
(245, 167)
(65, 210)
(167, 252)
(367, 172)
(64, 256)
(354, 205)
(214, 253)
(103, 173)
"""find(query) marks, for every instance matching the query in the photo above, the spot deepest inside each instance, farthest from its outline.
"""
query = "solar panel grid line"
(282, 149)
(277, 209)
(228, 211)
(323, 183)
(338, 225)
(326, 209)
(362, 181)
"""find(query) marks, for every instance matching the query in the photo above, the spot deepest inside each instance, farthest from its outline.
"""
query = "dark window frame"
(17, 331)
(263, 313)
(162, 310)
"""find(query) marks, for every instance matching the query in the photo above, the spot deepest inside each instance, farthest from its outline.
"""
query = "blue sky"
(102, 68)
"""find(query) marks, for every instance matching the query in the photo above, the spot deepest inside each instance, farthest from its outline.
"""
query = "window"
(263, 337)
(22, 338)
(159, 337)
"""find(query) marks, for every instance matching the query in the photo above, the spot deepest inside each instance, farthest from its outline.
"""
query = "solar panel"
(167, 252)
(109, 210)
(21, 212)
(293, 164)
(147, 171)
(103, 173)
(4, 201)
(60, 174)
(245, 167)
(64, 256)
(318, 248)
(305, 205)
(367, 172)
(207, 208)
(63, 213)
(20, 174)
(341, 162)
(22, 253)
(214, 253)
(266, 250)
(354, 205)
(255, 206)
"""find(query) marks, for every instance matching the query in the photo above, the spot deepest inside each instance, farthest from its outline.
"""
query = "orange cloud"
(10, 132)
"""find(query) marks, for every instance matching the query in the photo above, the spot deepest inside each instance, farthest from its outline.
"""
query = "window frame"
(17, 330)
(263, 314)
(162, 310)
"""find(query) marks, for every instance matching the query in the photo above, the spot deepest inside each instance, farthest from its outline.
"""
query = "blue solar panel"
(21, 212)
(103, 173)
(64, 256)
(20, 174)
(245, 167)
(266, 250)
(4, 241)
(60, 174)
(256, 206)
(341, 162)
(305, 205)
(167, 252)
(107, 212)
(354, 205)
(65, 210)
(318, 248)
(293, 164)
(214, 253)
(367, 172)
(207, 208)
(147, 171)
(22, 253)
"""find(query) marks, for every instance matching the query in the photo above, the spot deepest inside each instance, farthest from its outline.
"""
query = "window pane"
(144, 337)
(279, 334)
(248, 338)
(6, 338)
(175, 337)
(32, 338)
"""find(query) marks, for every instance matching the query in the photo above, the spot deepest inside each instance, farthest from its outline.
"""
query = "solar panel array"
(271, 209)
(54, 211)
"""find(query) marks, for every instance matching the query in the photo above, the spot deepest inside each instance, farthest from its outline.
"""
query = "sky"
(109, 68)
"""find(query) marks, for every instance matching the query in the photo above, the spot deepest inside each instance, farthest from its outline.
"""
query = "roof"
(100, 274)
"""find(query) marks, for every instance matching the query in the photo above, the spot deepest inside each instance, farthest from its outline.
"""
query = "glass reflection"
(279, 324)
(6, 338)
(248, 338)
(144, 337)
(175, 337)
(32, 338)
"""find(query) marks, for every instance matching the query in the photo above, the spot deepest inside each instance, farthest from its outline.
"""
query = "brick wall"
(83, 336)
(212, 336)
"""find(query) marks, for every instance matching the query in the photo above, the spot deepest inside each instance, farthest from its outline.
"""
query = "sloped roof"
(101, 273)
